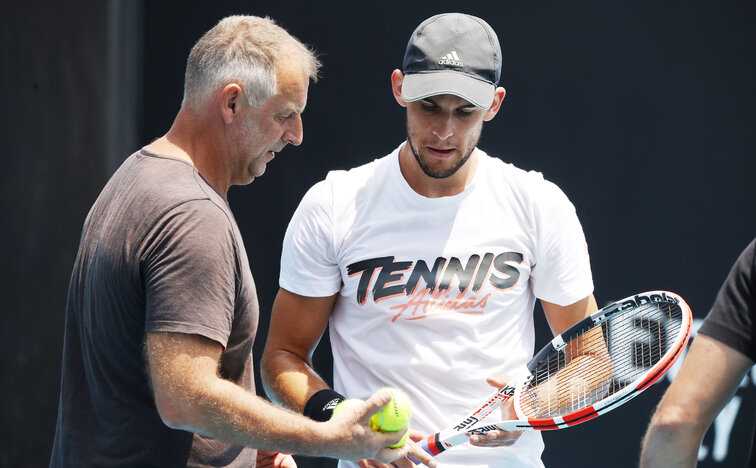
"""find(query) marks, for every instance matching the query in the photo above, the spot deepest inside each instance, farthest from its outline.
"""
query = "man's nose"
(294, 133)
(443, 129)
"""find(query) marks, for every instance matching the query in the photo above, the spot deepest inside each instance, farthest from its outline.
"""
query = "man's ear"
(229, 103)
(499, 94)
(397, 77)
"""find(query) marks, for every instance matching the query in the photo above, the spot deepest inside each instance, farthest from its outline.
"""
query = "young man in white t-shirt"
(427, 262)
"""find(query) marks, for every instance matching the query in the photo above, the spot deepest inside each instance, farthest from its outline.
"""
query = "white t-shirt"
(436, 294)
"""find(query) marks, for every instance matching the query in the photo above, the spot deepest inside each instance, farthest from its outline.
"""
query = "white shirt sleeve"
(562, 273)
(308, 260)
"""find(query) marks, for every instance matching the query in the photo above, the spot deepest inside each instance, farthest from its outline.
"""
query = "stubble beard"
(441, 173)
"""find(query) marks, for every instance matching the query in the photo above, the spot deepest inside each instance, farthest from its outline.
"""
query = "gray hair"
(243, 50)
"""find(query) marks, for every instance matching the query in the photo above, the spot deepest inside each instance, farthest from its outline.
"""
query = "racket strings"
(601, 360)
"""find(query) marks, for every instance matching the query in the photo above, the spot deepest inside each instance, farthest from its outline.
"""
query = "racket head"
(616, 353)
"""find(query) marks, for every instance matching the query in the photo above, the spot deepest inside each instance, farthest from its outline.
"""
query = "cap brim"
(422, 85)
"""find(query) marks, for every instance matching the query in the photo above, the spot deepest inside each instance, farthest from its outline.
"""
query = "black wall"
(52, 140)
(642, 112)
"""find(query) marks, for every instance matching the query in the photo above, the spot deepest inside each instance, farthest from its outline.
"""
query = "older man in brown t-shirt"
(162, 309)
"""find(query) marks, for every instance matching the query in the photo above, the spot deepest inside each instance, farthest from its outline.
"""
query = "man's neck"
(431, 187)
(193, 142)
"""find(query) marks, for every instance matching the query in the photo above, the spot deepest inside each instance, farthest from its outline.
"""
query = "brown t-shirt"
(160, 251)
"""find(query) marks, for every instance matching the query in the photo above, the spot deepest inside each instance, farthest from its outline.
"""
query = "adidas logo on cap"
(451, 59)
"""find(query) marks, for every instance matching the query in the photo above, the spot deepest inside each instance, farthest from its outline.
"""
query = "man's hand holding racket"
(498, 438)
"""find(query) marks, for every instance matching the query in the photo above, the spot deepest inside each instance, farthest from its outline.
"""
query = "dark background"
(642, 112)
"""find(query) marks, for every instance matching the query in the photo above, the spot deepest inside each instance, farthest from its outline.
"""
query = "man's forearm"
(671, 446)
(288, 379)
(190, 395)
(286, 367)
(225, 411)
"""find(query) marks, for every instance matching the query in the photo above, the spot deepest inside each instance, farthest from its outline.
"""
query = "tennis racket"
(598, 364)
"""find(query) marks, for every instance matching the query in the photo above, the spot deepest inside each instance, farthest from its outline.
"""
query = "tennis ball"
(345, 404)
(394, 416)
(402, 441)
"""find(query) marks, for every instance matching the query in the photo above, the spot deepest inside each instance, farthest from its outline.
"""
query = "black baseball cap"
(452, 53)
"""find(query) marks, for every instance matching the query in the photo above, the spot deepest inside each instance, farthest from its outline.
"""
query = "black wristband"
(321, 404)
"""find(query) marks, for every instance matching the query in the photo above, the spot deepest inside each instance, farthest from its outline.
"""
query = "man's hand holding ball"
(393, 417)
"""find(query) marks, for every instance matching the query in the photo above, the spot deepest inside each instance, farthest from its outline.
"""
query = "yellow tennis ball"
(402, 441)
(343, 404)
(394, 416)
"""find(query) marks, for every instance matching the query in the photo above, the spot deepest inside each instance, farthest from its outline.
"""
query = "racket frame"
(461, 432)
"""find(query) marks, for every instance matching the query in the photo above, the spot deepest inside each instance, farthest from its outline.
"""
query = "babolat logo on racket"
(634, 302)
(639, 300)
